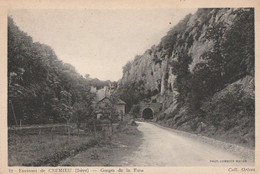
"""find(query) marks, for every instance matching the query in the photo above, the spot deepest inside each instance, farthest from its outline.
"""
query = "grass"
(44, 150)
(110, 152)
(33, 148)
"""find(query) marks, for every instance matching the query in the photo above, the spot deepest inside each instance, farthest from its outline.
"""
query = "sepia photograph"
(159, 87)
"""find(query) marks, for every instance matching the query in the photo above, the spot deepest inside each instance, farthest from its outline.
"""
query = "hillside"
(41, 88)
(202, 72)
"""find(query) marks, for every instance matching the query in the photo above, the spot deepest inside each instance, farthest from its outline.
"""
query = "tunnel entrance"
(147, 113)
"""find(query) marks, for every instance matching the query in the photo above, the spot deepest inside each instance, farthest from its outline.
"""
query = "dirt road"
(162, 147)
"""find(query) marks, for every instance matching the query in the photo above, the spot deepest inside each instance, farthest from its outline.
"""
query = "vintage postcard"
(129, 87)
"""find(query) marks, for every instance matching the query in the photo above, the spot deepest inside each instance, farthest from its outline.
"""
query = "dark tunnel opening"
(147, 113)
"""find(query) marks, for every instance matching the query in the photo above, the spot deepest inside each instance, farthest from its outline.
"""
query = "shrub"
(232, 109)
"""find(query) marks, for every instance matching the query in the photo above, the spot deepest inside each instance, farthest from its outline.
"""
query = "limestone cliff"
(190, 36)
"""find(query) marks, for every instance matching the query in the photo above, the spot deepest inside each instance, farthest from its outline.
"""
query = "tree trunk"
(68, 126)
(95, 130)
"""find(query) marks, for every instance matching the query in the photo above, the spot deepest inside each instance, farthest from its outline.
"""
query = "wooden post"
(69, 130)
(78, 125)
(95, 131)
(13, 112)
(111, 125)
(52, 129)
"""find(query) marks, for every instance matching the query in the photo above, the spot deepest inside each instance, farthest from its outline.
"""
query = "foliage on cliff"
(198, 58)
(95, 82)
(231, 58)
(40, 86)
(132, 93)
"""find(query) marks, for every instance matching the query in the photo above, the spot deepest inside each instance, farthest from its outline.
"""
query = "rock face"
(154, 68)
(144, 68)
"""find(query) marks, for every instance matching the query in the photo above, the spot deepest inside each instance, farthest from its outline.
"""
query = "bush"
(229, 110)
(136, 110)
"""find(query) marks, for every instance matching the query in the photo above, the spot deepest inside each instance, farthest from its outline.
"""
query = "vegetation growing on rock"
(197, 59)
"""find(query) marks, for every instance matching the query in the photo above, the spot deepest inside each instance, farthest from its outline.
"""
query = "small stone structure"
(149, 110)
(106, 103)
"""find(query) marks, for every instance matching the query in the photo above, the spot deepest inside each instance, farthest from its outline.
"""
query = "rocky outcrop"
(246, 84)
(190, 36)
(144, 68)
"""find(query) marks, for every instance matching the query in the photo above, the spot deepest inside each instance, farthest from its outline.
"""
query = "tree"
(238, 46)
(87, 76)
(64, 108)
(41, 87)
(132, 93)
(84, 111)
(136, 110)
(180, 68)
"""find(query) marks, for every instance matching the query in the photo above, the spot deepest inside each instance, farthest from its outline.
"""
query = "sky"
(98, 42)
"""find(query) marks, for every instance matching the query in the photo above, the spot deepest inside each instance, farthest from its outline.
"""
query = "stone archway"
(147, 113)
